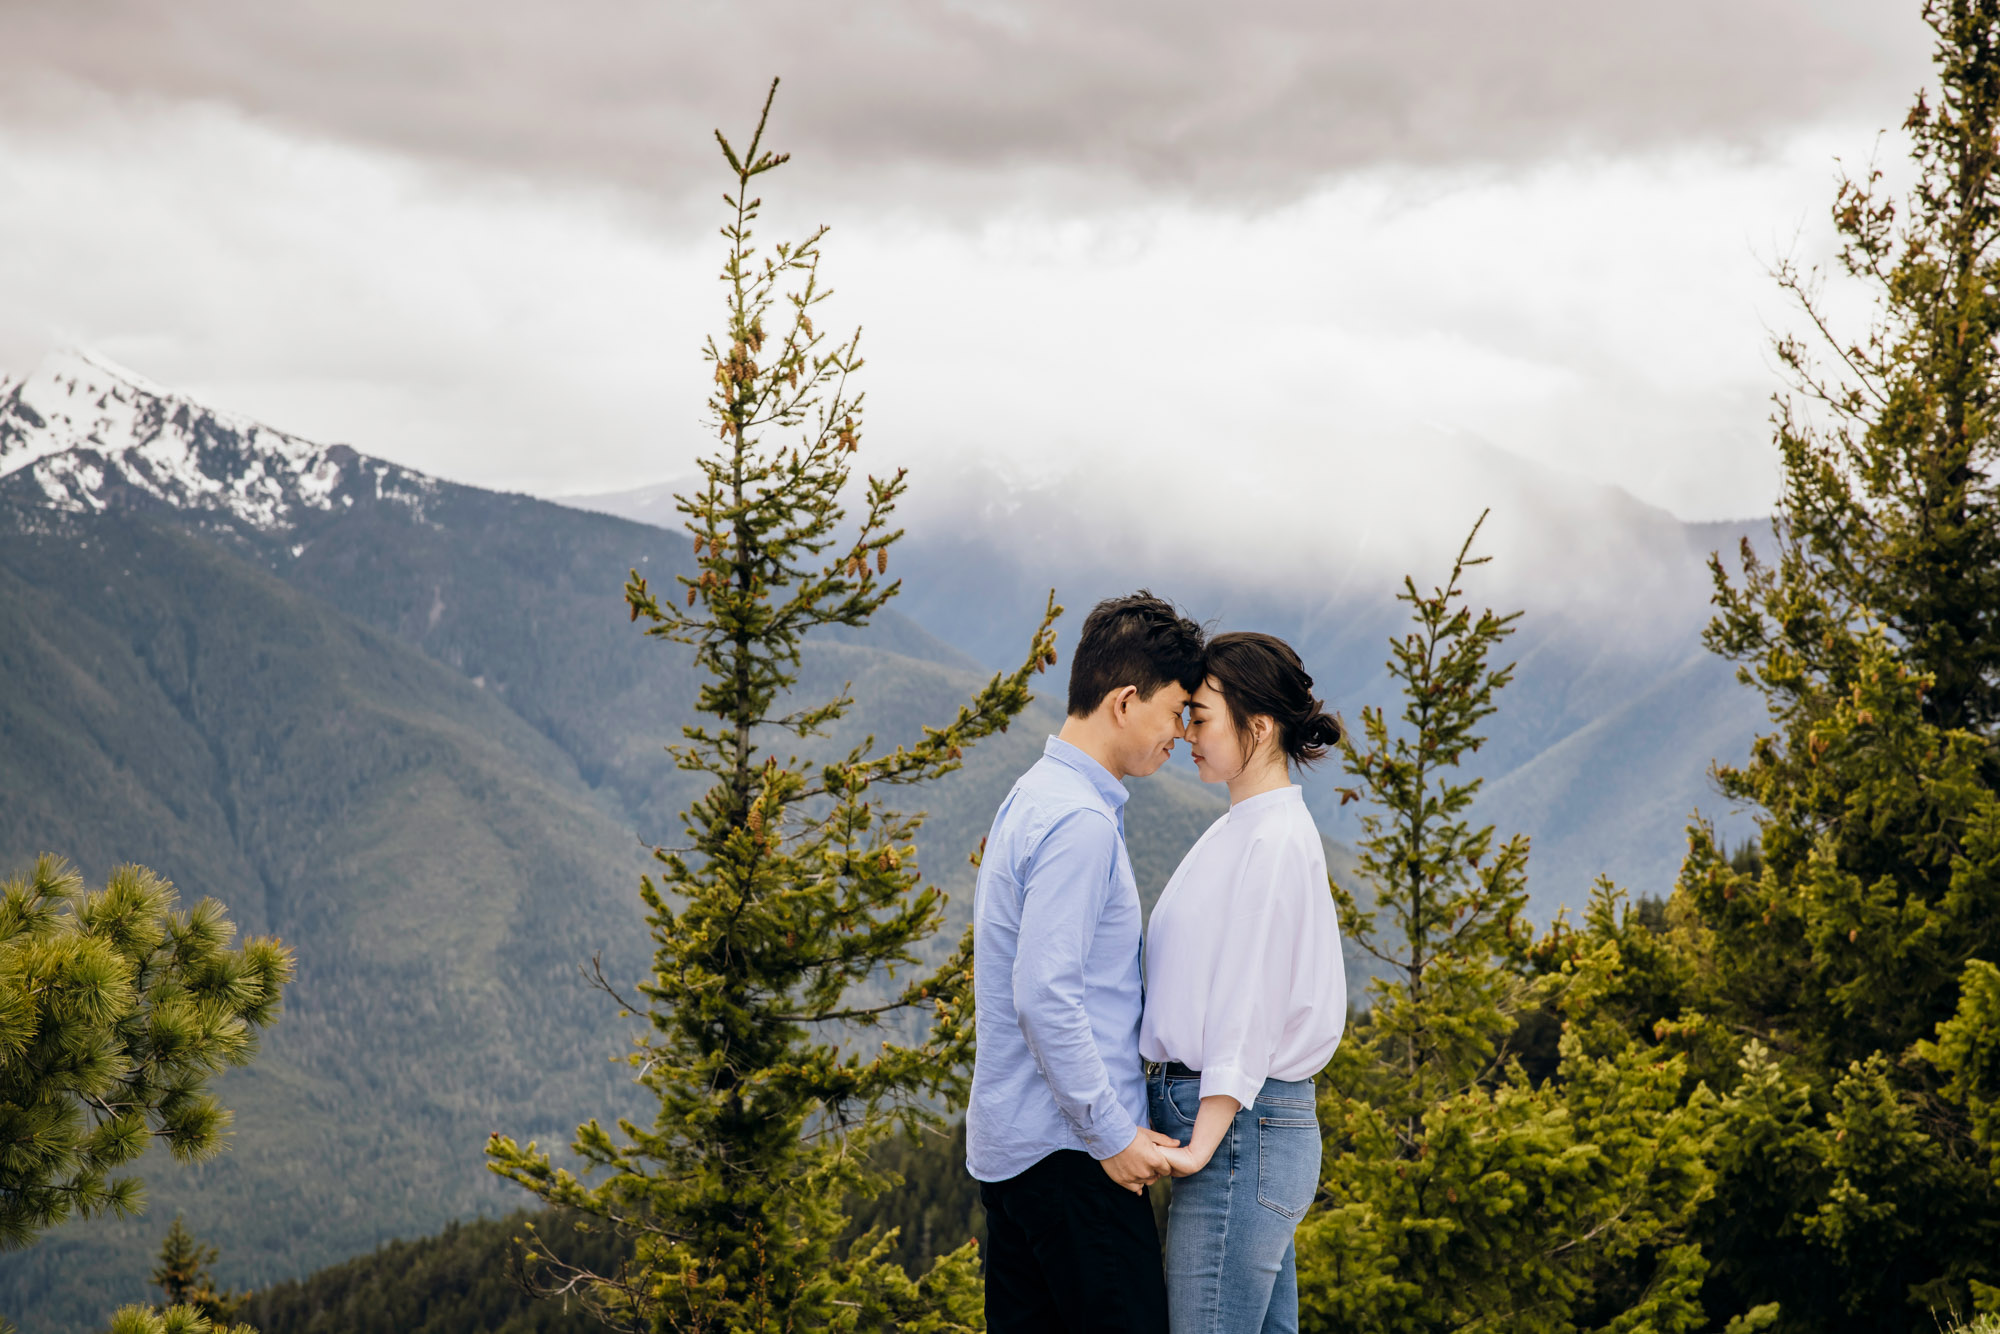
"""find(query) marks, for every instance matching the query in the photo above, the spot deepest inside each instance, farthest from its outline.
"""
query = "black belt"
(1171, 1069)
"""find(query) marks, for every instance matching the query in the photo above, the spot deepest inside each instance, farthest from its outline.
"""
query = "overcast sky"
(478, 238)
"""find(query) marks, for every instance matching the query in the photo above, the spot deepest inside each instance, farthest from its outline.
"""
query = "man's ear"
(1121, 700)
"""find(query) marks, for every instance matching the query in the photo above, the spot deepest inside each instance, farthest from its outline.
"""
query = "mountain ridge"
(409, 728)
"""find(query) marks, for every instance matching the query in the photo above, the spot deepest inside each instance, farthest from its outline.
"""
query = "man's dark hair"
(1138, 640)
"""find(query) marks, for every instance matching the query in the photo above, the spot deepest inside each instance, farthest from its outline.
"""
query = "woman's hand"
(1211, 1123)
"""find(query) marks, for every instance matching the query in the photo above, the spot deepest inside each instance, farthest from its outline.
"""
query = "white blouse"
(1244, 979)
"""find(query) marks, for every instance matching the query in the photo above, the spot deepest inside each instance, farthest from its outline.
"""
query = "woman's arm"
(1211, 1123)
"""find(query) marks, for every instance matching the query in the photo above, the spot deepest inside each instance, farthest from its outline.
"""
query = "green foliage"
(115, 1011)
(1855, 1186)
(1968, 1053)
(780, 927)
(173, 1320)
(1457, 1190)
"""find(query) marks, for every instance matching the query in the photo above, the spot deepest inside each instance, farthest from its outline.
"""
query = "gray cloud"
(1180, 96)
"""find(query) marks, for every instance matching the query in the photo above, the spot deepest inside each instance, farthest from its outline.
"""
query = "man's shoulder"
(1055, 789)
(1050, 792)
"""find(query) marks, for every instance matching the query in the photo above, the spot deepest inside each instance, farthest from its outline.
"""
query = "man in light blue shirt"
(1056, 1131)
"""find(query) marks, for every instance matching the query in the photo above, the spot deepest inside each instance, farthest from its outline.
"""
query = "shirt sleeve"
(1064, 892)
(1249, 997)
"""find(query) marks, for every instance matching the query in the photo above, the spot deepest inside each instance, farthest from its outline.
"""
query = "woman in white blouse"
(1245, 998)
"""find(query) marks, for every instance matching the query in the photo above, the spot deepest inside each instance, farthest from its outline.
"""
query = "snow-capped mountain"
(85, 435)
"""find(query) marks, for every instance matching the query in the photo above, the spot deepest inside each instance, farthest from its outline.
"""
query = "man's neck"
(1095, 741)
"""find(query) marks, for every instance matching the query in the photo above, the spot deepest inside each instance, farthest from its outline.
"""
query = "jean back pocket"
(1288, 1151)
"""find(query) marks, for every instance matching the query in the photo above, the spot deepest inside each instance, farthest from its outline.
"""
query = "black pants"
(1067, 1248)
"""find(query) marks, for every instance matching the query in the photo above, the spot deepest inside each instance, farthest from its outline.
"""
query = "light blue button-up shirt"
(1056, 960)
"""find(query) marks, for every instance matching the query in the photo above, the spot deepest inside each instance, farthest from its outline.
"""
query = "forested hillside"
(462, 1280)
(405, 726)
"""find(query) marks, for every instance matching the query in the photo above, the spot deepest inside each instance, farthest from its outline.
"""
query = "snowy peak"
(90, 435)
(85, 435)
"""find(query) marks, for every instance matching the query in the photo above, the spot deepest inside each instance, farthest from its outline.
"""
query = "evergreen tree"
(1457, 1191)
(1854, 1189)
(936, 1208)
(782, 929)
(183, 1278)
(115, 1010)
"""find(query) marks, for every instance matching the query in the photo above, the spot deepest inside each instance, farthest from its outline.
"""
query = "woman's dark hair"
(1260, 674)
(1138, 640)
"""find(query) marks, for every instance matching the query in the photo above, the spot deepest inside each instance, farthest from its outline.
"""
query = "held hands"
(1142, 1162)
(1185, 1162)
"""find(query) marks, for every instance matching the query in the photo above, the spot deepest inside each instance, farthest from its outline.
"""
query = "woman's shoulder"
(1284, 843)
(1286, 822)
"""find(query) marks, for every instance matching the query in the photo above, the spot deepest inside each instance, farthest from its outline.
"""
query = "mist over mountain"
(1602, 746)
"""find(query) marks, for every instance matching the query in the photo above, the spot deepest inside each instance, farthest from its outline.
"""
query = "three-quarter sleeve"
(1249, 997)
(1064, 892)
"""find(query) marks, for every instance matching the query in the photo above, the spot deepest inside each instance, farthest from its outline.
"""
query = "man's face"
(1152, 725)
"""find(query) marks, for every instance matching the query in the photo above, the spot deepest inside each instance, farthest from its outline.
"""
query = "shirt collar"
(1075, 757)
(1250, 807)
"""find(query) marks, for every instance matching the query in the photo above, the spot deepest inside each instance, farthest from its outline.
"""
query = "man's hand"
(1142, 1162)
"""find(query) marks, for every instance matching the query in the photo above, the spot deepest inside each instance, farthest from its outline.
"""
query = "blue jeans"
(1230, 1265)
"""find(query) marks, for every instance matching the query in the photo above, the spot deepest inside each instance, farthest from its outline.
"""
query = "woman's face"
(1219, 754)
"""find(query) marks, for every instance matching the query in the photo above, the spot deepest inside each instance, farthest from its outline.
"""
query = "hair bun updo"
(1261, 674)
(1322, 730)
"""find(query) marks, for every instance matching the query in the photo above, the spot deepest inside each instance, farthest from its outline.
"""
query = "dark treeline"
(461, 1281)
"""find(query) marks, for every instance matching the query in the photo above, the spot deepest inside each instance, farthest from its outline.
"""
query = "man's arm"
(1063, 898)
